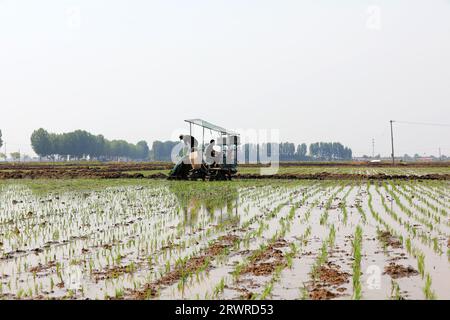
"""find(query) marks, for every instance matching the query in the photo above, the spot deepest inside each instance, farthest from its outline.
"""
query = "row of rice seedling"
(124, 239)
(420, 203)
(429, 237)
(431, 200)
(356, 267)
(261, 231)
(412, 250)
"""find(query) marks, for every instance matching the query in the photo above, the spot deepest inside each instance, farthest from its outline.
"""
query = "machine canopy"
(213, 127)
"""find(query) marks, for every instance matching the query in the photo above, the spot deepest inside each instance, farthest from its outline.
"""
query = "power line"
(373, 148)
(423, 123)
(392, 142)
(414, 123)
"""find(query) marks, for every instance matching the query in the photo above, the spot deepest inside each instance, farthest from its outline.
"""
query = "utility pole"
(392, 142)
(440, 156)
(373, 148)
(203, 143)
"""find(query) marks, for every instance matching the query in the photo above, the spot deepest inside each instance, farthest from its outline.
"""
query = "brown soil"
(104, 167)
(352, 164)
(344, 176)
(245, 294)
(262, 269)
(333, 276)
(70, 171)
(397, 271)
(42, 268)
(111, 273)
(389, 240)
(193, 264)
(122, 171)
(265, 262)
(321, 294)
(329, 277)
(70, 174)
(262, 263)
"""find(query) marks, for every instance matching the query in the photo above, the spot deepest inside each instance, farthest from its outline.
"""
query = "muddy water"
(436, 264)
(107, 243)
(295, 279)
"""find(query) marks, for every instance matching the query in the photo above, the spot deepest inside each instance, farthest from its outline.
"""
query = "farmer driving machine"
(216, 161)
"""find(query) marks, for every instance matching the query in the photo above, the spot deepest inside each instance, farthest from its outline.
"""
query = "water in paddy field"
(264, 240)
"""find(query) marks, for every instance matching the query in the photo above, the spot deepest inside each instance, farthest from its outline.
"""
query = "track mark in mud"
(397, 271)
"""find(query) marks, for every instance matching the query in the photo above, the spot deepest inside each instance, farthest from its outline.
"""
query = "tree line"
(2, 155)
(162, 150)
(287, 151)
(81, 144)
(330, 151)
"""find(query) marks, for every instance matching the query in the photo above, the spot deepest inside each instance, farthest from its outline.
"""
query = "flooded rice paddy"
(233, 240)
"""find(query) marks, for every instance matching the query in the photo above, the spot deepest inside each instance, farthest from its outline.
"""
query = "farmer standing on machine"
(212, 156)
(189, 141)
(185, 164)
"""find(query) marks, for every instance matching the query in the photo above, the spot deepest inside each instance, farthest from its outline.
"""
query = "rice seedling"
(421, 264)
(356, 244)
(395, 291)
(123, 238)
(429, 294)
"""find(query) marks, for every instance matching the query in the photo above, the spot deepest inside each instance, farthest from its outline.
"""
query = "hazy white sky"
(317, 70)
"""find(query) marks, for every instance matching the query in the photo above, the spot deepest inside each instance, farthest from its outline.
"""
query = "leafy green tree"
(1, 141)
(302, 150)
(79, 144)
(329, 151)
(41, 143)
(161, 151)
(314, 150)
(143, 150)
(287, 151)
